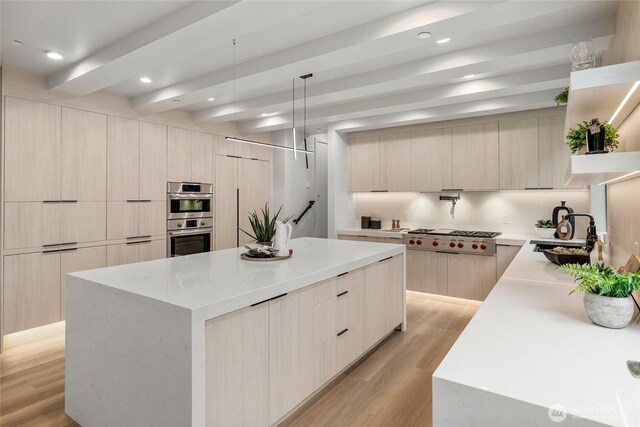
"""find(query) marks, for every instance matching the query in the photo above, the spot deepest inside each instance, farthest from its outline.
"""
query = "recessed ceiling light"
(17, 43)
(424, 35)
(176, 100)
(53, 55)
(269, 114)
(211, 99)
(145, 79)
(469, 76)
(441, 41)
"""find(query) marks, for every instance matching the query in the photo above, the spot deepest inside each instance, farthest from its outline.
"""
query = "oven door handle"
(199, 196)
(187, 232)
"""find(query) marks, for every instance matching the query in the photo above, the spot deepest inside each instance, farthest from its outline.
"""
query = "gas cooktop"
(457, 233)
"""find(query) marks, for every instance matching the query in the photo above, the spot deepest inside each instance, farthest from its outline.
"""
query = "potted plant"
(545, 228)
(264, 226)
(577, 138)
(607, 293)
(562, 97)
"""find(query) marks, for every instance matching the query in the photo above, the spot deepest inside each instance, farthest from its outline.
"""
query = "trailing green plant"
(545, 223)
(577, 138)
(562, 97)
(264, 225)
(601, 280)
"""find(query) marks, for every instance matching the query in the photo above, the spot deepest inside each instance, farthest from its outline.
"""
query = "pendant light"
(264, 144)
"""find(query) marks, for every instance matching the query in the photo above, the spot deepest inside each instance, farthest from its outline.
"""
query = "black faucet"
(592, 236)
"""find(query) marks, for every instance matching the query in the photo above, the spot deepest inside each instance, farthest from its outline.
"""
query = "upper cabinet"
(518, 154)
(83, 160)
(553, 153)
(123, 159)
(395, 155)
(32, 151)
(364, 159)
(431, 160)
(190, 156)
(153, 162)
(475, 157)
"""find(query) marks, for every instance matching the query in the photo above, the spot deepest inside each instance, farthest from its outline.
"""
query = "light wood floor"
(390, 388)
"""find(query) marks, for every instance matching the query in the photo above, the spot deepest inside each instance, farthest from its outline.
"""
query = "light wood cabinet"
(431, 160)
(375, 302)
(149, 251)
(83, 222)
(427, 272)
(134, 219)
(123, 159)
(189, 156)
(394, 292)
(553, 152)
(364, 163)
(518, 154)
(254, 183)
(237, 374)
(31, 290)
(471, 276)
(83, 160)
(504, 255)
(32, 151)
(152, 218)
(475, 157)
(136, 251)
(290, 352)
(153, 162)
(395, 156)
(79, 260)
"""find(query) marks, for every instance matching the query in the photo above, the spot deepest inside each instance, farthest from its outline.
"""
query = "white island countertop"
(215, 283)
(531, 346)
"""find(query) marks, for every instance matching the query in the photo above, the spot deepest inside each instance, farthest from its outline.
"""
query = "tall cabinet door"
(83, 164)
(202, 157)
(395, 155)
(32, 151)
(475, 145)
(178, 155)
(226, 202)
(237, 374)
(518, 154)
(254, 183)
(31, 290)
(431, 160)
(364, 162)
(153, 161)
(123, 159)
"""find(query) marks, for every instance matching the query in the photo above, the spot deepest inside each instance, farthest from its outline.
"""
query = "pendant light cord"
(235, 112)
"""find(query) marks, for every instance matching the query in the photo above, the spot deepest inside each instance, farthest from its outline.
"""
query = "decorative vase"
(596, 137)
(545, 233)
(609, 312)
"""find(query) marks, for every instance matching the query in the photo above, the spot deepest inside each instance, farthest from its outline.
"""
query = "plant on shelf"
(264, 225)
(562, 97)
(607, 293)
(577, 138)
(545, 228)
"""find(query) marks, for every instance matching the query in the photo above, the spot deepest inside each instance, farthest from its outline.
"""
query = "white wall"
(475, 210)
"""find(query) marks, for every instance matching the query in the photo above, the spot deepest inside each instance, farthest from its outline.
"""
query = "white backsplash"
(474, 211)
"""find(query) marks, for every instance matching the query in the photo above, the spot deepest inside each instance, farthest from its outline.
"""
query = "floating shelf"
(598, 92)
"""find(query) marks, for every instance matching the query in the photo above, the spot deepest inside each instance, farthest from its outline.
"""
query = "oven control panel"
(186, 224)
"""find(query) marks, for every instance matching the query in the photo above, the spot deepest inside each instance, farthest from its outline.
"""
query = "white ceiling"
(370, 68)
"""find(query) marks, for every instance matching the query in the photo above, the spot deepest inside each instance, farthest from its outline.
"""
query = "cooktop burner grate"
(421, 231)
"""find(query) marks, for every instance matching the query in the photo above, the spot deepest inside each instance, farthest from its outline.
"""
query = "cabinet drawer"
(324, 291)
(325, 361)
(350, 307)
(350, 344)
(350, 280)
(325, 320)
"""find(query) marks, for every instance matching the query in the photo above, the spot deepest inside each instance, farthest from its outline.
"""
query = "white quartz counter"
(215, 283)
(531, 346)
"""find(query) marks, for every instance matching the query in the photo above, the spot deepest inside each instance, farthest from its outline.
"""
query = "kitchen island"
(211, 339)
(531, 356)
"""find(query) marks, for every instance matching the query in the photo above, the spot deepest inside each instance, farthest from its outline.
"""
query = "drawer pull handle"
(138, 242)
(68, 201)
(344, 331)
(267, 300)
(385, 259)
(343, 274)
(342, 293)
(59, 250)
(279, 296)
(59, 244)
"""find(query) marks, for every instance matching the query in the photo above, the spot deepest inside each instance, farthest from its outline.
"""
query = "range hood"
(609, 93)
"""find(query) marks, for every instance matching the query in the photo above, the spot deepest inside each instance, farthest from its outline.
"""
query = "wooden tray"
(274, 258)
(561, 259)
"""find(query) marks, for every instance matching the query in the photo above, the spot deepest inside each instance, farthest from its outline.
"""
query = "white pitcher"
(281, 239)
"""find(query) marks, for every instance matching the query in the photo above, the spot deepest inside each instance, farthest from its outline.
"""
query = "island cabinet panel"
(123, 159)
(394, 293)
(475, 157)
(375, 278)
(504, 255)
(518, 154)
(237, 368)
(153, 162)
(471, 276)
(427, 272)
(83, 160)
(31, 290)
(79, 260)
(431, 160)
(32, 151)
(395, 155)
(290, 352)
(364, 163)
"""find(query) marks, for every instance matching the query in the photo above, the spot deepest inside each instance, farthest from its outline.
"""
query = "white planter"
(609, 312)
(545, 233)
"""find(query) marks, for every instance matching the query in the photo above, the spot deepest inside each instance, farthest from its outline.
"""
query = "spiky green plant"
(562, 97)
(601, 280)
(545, 223)
(577, 138)
(264, 226)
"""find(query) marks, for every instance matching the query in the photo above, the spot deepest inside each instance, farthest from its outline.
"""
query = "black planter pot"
(596, 138)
